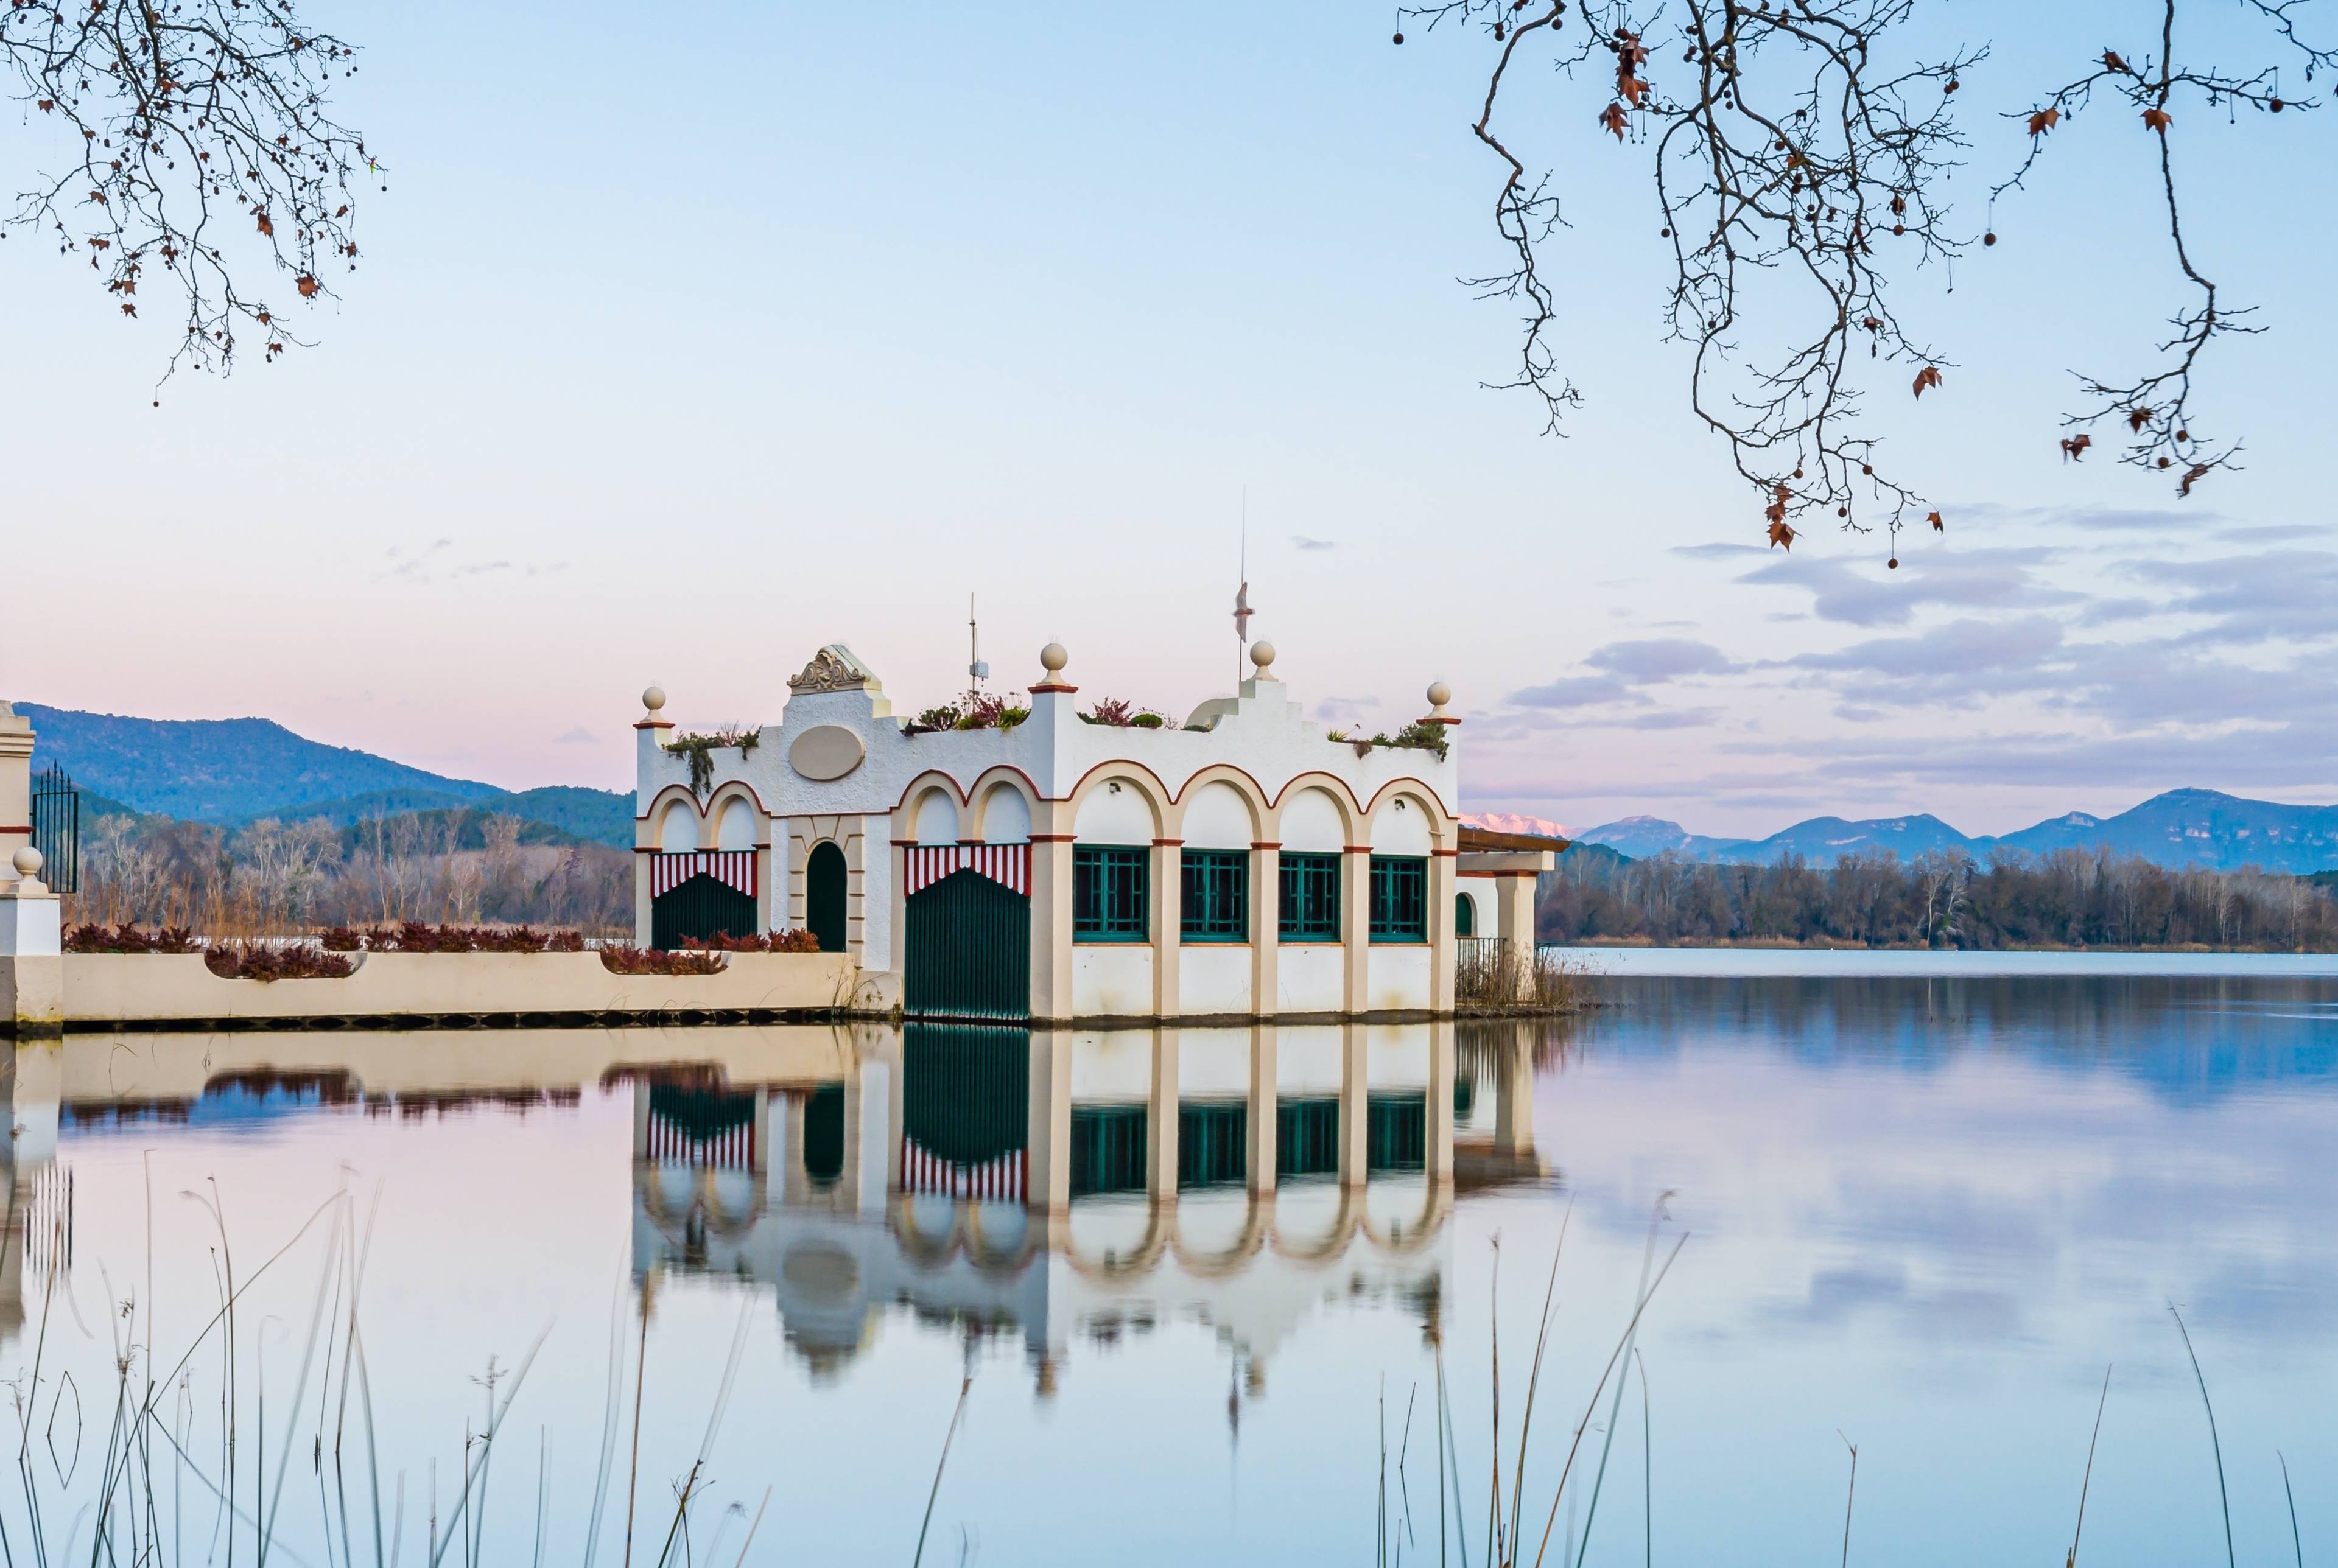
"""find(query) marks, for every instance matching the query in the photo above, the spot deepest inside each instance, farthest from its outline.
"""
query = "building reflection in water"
(1055, 1187)
(1070, 1186)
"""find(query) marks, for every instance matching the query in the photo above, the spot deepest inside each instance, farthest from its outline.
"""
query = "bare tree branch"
(198, 138)
(1799, 156)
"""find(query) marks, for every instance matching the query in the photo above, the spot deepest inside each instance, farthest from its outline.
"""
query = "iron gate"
(969, 951)
(700, 906)
(56, 829)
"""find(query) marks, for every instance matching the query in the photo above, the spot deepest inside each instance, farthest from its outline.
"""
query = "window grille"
(1216, 894)
(1311, 898)
(1109, 892)
(1399, 898)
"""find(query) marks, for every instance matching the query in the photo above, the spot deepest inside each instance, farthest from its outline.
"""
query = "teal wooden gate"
(700, 908)
(968, 949)
(966, 1109)
(824, 895)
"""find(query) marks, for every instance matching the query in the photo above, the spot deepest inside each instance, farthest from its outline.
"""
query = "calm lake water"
(1922, 1214)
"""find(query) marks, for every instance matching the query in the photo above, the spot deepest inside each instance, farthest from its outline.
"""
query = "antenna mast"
(976, 671)
(1242, 596)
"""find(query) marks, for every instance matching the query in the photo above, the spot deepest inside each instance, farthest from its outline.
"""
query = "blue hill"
(236, 770)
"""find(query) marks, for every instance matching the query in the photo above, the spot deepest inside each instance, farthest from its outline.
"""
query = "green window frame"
(1110, 888)
(1215, 893)
(1309, 908)
(1399, 898)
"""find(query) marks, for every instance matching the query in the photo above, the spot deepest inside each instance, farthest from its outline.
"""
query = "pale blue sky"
(676, 354)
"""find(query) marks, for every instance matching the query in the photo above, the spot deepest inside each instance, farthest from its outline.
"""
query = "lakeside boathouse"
(1062, 868)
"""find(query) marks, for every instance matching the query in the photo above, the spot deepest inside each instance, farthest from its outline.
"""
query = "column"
(1442, 890)
(1438, 1153)
(1513, 909)
(1048, 1191)
(1514, 1095)
(1259, 1156)
(1356, 925)
(1165, 914)
(1355, 1107)
(1051, 922)
(1266, 929)
(1161, 1153)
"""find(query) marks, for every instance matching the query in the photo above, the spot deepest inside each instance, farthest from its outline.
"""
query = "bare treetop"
(192, 148)
(1798, 151)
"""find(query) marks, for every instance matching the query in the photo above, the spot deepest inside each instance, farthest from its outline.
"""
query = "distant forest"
(2070, 898)
(267, 877)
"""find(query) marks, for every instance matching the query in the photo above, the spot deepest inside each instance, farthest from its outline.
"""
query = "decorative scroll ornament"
(834, 668)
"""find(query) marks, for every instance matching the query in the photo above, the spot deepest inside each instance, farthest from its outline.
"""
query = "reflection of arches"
(1234, 1258)
(1149, 1250)
(824, 895)
(1403, 1237)
(1346, 1219)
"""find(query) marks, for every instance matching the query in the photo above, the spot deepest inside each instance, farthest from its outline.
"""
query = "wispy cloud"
(1301, 542)
(580, 736)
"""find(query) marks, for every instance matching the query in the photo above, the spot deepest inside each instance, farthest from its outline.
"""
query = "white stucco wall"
(1213, 977)
(1309, 977)
(1398, 979)
(1217, 818)
(1310, 822)
(1112, 979)
(1005, 815)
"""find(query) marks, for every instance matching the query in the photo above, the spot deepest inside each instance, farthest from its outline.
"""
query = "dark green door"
(824, 895)
(700, 908)
(968, 953)
(1465, 915)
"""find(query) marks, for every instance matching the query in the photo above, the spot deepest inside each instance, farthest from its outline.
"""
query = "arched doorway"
(824, 901)
(1465, 915)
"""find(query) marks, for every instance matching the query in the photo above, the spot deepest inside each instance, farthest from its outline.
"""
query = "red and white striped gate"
(735, 869)
(1004, 1177)
(1008, 865)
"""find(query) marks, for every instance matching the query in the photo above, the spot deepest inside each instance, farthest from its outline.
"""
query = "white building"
(1060, 869)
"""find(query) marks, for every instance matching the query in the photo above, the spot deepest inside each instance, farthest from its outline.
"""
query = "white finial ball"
(1439, 693)
(1262, 654)
(27, 861)
(1053, 658)
(654, 698)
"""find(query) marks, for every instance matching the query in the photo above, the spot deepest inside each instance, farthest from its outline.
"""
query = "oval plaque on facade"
(825, 752)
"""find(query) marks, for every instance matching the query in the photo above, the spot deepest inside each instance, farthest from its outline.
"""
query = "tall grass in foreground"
(1511, 1535)
(247, 1471)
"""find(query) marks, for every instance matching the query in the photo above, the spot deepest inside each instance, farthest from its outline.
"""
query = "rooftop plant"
(699, 749)
(1421, 734)
(1120, 713)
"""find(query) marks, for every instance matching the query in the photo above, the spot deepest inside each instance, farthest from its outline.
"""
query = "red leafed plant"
(630, 960)
(795, 941)
(265, 961)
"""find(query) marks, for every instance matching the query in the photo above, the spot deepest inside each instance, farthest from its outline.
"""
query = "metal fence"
(56, 829)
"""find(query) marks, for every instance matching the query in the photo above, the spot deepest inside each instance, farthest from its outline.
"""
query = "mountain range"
(2178, 828)
(231, 771)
